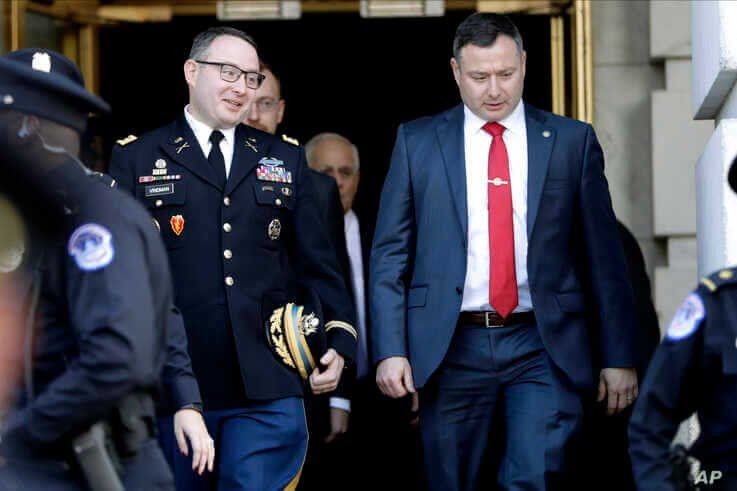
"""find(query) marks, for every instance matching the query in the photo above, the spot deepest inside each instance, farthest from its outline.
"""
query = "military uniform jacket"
(237, 253)
(693, 370)
(104, 300)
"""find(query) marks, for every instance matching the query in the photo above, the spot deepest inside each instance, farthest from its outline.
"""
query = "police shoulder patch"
(91, 246)
(128, 139)
(687, 319)
(290, 140)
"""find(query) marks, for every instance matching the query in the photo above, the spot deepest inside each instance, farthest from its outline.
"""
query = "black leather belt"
(492, 319)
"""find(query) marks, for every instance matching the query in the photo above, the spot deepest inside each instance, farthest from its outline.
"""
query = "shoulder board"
(104, 178)
(128, 139)
(716, 280)
(291, 140)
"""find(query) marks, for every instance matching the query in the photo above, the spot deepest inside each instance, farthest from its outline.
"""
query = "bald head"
(334, 155)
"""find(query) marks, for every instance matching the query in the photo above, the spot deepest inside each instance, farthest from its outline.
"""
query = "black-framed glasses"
(230, 73)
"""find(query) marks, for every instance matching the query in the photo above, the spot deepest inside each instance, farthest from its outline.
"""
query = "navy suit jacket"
(574, 258)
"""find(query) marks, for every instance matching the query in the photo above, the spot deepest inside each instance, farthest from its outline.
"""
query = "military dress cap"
(48, 85)
(296, 334)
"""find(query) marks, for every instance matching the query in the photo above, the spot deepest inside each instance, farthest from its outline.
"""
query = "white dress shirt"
(355, 255)
(477, 143)
(202, 133)
(353, 243)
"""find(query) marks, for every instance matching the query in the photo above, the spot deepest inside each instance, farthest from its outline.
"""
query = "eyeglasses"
(267, 105)
(230, 73)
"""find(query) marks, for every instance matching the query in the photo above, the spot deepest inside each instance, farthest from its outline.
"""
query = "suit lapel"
(248, 149)
(540, 139)
(450, 141)
(182, 147)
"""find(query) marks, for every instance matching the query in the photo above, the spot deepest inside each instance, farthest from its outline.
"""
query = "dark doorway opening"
(340, 72)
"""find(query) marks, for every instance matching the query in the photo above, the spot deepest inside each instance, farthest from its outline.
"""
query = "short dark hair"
(264, 66)
(482, 29)
(203, 40)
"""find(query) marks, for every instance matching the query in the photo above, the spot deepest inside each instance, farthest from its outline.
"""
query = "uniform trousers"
(147, 471)
(498, 402)
(259, 447)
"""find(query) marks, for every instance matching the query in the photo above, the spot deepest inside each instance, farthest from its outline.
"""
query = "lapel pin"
(251, 146)
(546, 134)
(182, 147)
(178, 139)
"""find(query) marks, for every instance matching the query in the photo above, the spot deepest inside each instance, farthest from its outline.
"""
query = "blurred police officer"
(694, 370)
(238, 217)
(102, 290)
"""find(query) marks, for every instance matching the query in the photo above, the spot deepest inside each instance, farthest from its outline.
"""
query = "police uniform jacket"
(104, 298)
(693, 370)
(237, 252)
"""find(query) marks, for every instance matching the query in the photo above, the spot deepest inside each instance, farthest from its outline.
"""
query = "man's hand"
(619, 386)
(188, 424)
(414, 420)
(394, 377)
(328, 380)
(338, 423)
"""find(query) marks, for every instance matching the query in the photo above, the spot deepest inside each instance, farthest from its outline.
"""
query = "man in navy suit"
(495, 233)
(237, 213)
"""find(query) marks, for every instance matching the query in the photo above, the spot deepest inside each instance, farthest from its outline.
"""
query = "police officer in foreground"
(84, 418)
(693, 370)
(238, 216)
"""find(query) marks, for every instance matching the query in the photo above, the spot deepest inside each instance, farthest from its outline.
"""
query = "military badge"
(160, 164)
(273, 174)
(274, 229)
(177, 224)
(271, 162)
(286, 191)
(91, 246)
(295, 335)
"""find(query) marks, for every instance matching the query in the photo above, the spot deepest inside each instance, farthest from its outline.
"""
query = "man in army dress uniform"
(237, 214)
(694, 370)
(99, 286)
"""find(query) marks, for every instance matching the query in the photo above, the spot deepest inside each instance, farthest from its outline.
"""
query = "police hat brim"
(47, 96)
(732, 175)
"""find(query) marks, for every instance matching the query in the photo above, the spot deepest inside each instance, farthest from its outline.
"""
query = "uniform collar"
(202, 131)
(515, 122)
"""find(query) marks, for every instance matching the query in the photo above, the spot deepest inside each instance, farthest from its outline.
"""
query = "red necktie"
(502, 276)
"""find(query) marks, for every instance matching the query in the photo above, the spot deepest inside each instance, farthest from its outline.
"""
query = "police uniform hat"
(296, 334)
(732, 176)
(46, 84)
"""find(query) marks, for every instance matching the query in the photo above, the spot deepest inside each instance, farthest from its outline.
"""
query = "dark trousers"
(380, 450)
(147, 471)
(260, 447)
(498, 404)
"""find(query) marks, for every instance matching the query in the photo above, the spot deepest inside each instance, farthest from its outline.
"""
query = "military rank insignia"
(274, 229)
(177, 224)
(295, 335)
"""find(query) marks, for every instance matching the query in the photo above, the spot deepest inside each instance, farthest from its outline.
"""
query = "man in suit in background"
(236, 210)
(374, 418)
(266, 113)
(495, 228)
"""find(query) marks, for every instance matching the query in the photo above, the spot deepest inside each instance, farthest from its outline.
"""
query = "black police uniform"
(236, 253)
(693, 370)
(104, 301)
(102, 283)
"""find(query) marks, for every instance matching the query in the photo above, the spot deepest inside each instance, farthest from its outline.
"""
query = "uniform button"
(227, 253)
(227, 227)
(277, 201)
(229, 281)
(226, 201)
(159, 202)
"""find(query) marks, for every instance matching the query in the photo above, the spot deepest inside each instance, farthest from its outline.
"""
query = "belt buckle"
(488, 322)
